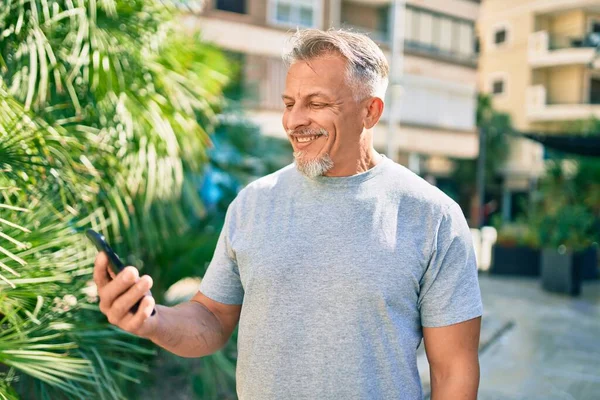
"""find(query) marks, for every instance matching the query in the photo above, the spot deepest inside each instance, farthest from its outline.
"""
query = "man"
(336, 267)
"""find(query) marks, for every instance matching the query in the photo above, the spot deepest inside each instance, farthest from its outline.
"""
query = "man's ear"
(374, 110)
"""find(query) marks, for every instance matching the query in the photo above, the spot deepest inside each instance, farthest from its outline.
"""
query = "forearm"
(188, 330)
(461, 383)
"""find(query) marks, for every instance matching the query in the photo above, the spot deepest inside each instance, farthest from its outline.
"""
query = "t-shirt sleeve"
(222, 282)
(450, 287)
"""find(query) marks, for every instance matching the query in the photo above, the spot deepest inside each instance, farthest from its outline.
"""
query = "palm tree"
(105, 111)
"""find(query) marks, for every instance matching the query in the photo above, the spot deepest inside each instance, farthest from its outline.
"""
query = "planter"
(515, 260)
(588, 259)
(561, 273)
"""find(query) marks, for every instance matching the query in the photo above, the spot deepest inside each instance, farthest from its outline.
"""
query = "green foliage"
(45, 312)
(567, 212)
(584, 127)
(496, 126)
(105, 111)
(517, 234)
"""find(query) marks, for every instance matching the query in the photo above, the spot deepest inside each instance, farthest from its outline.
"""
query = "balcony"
(551, 51)
(427, 33)
(555, 6)
(377, 35)
(431, 102)
(538, 109)
(370, 2)
(239, 37)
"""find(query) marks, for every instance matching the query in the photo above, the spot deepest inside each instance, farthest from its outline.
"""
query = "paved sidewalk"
(536, 345)
(553, 349)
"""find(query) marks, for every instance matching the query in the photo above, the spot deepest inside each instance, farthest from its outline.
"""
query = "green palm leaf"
(105, 112)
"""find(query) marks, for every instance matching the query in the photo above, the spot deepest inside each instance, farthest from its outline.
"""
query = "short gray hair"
(367, 67)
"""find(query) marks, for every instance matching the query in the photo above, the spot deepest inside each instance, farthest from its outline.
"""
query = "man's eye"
(317, 105)
(288, 106)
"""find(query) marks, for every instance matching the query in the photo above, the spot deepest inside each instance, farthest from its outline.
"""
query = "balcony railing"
(431, 50)
(558, 42)
(439, 103)
(377, 35)
(415, 46)
(546, 50)
(540, 109)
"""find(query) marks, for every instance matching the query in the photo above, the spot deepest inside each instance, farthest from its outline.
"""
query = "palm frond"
(105, 112)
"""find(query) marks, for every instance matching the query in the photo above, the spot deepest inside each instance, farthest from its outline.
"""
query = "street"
(537, 345)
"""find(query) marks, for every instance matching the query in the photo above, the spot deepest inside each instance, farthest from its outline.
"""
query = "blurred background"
(143, 119)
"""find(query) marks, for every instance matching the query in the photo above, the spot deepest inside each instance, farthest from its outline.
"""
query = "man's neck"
(352, 165)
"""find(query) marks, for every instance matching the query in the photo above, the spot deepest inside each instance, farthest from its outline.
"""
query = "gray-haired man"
(336, 267)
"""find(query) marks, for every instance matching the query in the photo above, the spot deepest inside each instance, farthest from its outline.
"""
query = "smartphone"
(114, 262)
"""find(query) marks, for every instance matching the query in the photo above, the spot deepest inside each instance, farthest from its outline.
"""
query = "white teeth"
(306, 139)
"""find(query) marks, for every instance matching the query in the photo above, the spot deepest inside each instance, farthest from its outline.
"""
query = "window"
(439, 34)
(383, 20)
(426, 29)
(446, 26)
(410, 25)
(236, 6)
(498, 86)
(465, 39)
(295, 13)
(500, 36)
(595, 91)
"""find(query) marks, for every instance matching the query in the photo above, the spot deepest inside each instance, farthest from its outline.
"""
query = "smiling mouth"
(306, 139)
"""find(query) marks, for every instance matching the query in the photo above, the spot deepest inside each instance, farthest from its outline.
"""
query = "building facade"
(539, 61)
(436, 106)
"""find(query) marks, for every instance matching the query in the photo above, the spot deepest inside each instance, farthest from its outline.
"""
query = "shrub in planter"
(516, 251)
(588, 259)
(566, 239)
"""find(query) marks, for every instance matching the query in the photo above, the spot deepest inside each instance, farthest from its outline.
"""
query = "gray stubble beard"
(313, 167)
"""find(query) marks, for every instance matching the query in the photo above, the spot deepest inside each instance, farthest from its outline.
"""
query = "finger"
(115, 288)
(121, 306)
(137, 323)
(100, 270)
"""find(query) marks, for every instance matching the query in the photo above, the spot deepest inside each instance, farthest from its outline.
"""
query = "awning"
(588, 145)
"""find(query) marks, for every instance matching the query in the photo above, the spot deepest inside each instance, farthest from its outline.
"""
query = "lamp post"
(396, 70)
(481, 178)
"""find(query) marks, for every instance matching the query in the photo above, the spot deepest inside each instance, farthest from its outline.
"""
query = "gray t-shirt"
(337, 277)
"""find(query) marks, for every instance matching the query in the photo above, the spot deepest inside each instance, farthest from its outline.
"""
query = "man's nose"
(297, 118)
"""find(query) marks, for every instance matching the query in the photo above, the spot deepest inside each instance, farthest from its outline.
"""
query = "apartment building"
(539, 61)
(437, 100)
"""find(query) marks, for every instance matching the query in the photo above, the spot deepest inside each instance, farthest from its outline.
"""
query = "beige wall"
(458, 8)
(360, 15)
(565, 26)
(540, 77)
(493, 9)
(257, 11)
(510, 61)
(565, 85)
(543, 23)
(422, 66)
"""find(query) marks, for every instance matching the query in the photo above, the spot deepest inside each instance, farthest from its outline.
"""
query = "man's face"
(321, 116)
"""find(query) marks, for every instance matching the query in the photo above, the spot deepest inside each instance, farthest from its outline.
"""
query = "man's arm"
(197, 328)
(453, 357)
(193, 329)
